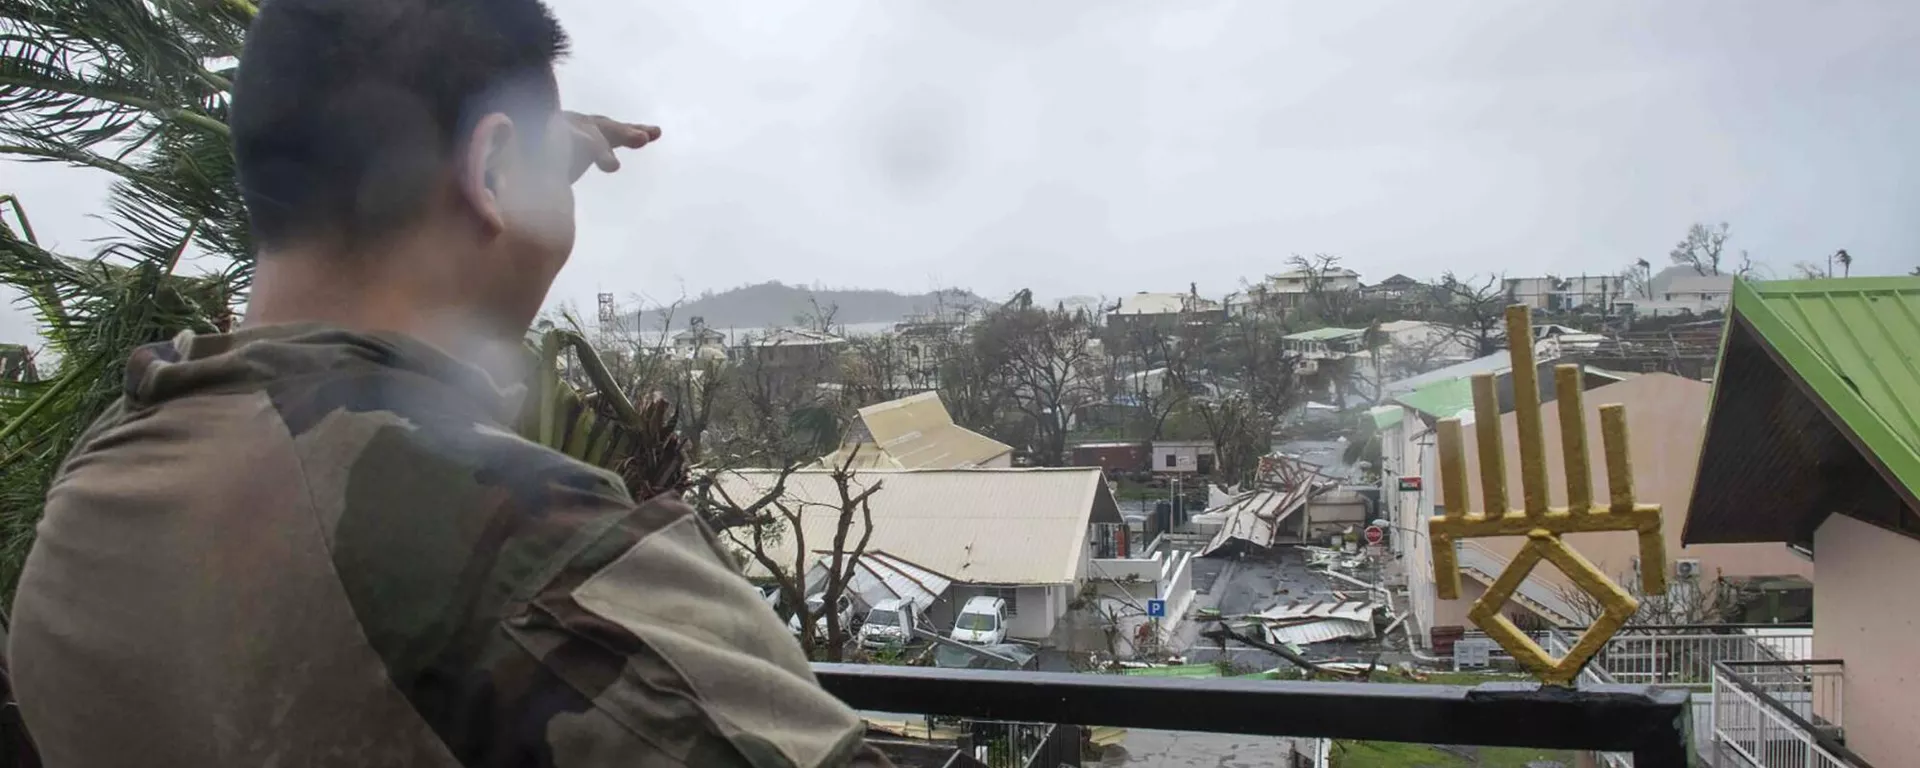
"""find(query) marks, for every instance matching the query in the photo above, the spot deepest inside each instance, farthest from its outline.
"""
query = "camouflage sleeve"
(660, 649)
(533, 615)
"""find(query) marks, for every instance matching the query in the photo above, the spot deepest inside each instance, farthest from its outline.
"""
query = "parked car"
(982, 621)
(815, 605)
(891, 622)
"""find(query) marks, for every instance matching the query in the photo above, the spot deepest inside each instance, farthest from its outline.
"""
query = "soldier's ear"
(488, 166)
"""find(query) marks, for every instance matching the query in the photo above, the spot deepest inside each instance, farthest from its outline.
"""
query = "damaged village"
(1314, 522)
(1174, 490)
(1169, 385)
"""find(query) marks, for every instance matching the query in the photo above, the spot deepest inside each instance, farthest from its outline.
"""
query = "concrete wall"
(1333, 512)
(1186, 456)
(1666, 416)
(1173, 582)
(1867, 614)
(1407, 450)
(1145, 569)
(1038, 607)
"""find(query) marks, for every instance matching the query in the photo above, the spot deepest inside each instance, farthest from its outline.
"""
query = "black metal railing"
(1647, 722)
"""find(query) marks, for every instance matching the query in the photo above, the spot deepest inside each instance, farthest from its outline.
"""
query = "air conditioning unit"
(1687, 568)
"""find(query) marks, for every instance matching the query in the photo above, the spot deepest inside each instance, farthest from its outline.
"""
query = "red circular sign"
(1374, 534)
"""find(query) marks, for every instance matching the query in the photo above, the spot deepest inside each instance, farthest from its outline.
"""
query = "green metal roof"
(1441, 399)
(1854, 342)
(1384, 416)
(1324, 334)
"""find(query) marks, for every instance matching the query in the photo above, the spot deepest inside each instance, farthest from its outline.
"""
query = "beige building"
(916, 432)
(1665, 417)
(1024, 535)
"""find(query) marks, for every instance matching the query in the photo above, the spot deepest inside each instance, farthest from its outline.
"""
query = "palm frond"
(601, 426)
(112, 69)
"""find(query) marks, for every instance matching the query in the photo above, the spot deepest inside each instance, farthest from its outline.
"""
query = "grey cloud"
(1102, 148)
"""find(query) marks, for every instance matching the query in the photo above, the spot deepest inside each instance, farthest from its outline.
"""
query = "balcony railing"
(1648, 723)
(1684, 655)
(1780, 714)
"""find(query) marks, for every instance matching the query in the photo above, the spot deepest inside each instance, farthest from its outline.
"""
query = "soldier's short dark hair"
(345, 111)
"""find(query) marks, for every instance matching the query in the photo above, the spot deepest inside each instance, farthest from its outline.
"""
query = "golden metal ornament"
(1541, 524)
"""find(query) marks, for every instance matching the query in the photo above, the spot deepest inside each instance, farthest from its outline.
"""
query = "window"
(1008, 594)
(1172, 461)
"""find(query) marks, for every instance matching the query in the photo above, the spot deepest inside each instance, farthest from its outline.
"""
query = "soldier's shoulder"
(378, 427)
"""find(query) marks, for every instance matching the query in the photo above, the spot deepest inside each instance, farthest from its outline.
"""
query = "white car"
(814, 606)
(891, 622)
(982, 621)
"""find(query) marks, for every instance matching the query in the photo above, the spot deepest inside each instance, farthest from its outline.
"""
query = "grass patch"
(1387, 754)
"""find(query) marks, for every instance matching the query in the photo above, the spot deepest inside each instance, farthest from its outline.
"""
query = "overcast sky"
(1086, 148)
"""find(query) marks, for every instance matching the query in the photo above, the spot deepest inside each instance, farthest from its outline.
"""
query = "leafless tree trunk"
(776, 517)
(1477, 310)
(1702, 248)
(1042, 363)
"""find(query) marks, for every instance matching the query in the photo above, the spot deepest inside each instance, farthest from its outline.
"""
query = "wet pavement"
(1253, 583)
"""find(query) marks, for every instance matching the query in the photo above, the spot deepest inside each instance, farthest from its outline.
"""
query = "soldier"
(313, 542)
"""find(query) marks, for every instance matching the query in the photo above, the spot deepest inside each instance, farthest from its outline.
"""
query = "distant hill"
(775, 304)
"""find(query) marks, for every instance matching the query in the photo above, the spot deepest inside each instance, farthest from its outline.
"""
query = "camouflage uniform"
(300, 546)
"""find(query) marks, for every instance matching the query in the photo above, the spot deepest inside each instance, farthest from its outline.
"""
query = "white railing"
(1685, 655)
(1675, 655)
(1779, 714)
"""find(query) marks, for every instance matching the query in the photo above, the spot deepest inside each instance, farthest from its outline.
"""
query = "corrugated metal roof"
(881, 576)
(982, 526)
(1384, 416)
(1815, 410)
(916, 432)
(1853, 340)
(1151, 304)
(1441, 399)
(1324, 334)
(1253, 517)
(1317, 622)
(1494, 363)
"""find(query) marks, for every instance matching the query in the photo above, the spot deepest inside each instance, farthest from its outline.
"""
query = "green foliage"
(134, 88)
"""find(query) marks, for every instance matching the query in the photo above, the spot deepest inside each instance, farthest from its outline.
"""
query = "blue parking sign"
(1156, 609)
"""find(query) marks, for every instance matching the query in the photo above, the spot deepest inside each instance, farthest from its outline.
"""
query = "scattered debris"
(1307, 623)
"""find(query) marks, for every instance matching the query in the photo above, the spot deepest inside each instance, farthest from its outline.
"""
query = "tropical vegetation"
(140, 89)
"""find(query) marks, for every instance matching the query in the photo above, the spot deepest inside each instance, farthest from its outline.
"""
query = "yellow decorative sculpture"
(1541, 524)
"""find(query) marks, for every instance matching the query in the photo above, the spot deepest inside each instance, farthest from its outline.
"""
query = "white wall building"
(1183, 457)
(1024, 535)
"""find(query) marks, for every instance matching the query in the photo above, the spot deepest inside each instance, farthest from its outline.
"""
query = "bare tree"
(1325, 304)
(1702, 249)
(775, 517)
(1688, 601)
(1043, 363)
(1476, 309)
(1144, 369)
(1807, 270)
(878, 368)
(1243, 385)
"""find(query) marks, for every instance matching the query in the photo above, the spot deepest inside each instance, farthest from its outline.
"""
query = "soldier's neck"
(363, 293)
